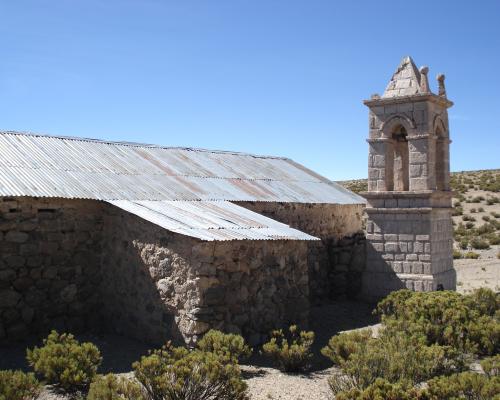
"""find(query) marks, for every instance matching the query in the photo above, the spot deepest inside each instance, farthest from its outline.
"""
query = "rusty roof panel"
(211, 220)
(47, 166)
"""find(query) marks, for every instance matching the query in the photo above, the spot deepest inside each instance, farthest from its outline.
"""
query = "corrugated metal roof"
(211, 220)
(46, 166)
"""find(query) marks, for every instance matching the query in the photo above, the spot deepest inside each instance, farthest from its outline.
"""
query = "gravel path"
(269, 383)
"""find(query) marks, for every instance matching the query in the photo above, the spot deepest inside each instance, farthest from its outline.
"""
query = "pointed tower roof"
(405, 81)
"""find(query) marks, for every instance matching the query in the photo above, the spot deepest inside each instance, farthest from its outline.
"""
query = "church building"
(161, 243)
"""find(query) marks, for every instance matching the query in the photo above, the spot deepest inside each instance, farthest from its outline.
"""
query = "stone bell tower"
(409, 228)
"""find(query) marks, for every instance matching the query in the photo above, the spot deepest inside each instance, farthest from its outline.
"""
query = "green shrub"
(468, 218)
(341, 346)
(479, 244)
(484, 301)
(457, 254)
(471, 255)
(17, 385)
(469, 225)
(380, 390)
(174, 373)
(495, 214)
(290, 351)
(480, 209)
(394, 305)
(445, 318)
(494, 240)
(63, 361)
(473, 210)
(464, 243)
(226, 345)
(485, 218)
(491, 365)
(493, 200)
(457, 211)
(486, 228)
(112, 387)
(399, 356)
(467, 385)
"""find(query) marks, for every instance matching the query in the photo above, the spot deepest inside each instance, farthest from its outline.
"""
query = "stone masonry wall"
(158, 285)
(336, 262)
(148, 283)
(251, 288)
(49, 264)
(79, 264)
(409, 245)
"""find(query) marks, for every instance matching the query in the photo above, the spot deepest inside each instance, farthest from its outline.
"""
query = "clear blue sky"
(269, 77)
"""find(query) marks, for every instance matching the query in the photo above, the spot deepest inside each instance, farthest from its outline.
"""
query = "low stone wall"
(335, 263)
(49, 264)
(159, 285)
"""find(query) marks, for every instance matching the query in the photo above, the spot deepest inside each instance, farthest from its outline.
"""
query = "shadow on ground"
(120, 352)
(327, 321)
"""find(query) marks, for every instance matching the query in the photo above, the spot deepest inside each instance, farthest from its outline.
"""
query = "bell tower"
(409, 228)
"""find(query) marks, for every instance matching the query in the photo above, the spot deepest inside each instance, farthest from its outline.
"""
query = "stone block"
(416, 268)
(427, 268)
(397, 267)
(22, 284)
(423, 238)
(9, 298)
(407, 267)
(16, 237)
(403, 203)
(390, 237)
(418, 183)
(375, 237)
(391, 247)
(406, 237)
(409, 284)
(415, 171)
(391, 203)
(377, 246)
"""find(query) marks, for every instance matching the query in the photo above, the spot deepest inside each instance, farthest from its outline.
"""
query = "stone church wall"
(160, 285)
(335, 263)
(80, 264)
(49, 264)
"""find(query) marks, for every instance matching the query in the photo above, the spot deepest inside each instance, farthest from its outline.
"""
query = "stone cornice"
(399, 210)
(382, 101)
(406, 194)
(409, 138)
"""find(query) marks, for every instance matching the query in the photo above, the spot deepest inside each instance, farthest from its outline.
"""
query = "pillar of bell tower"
(409, 226)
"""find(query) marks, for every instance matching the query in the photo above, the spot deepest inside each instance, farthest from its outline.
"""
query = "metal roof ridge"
(138, 144)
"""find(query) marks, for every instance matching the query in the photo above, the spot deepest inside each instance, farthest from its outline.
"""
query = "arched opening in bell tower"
(440, 160)
(400, 160)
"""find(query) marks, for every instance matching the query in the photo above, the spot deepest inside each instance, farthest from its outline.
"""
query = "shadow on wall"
(388, 269)
(145, 279)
